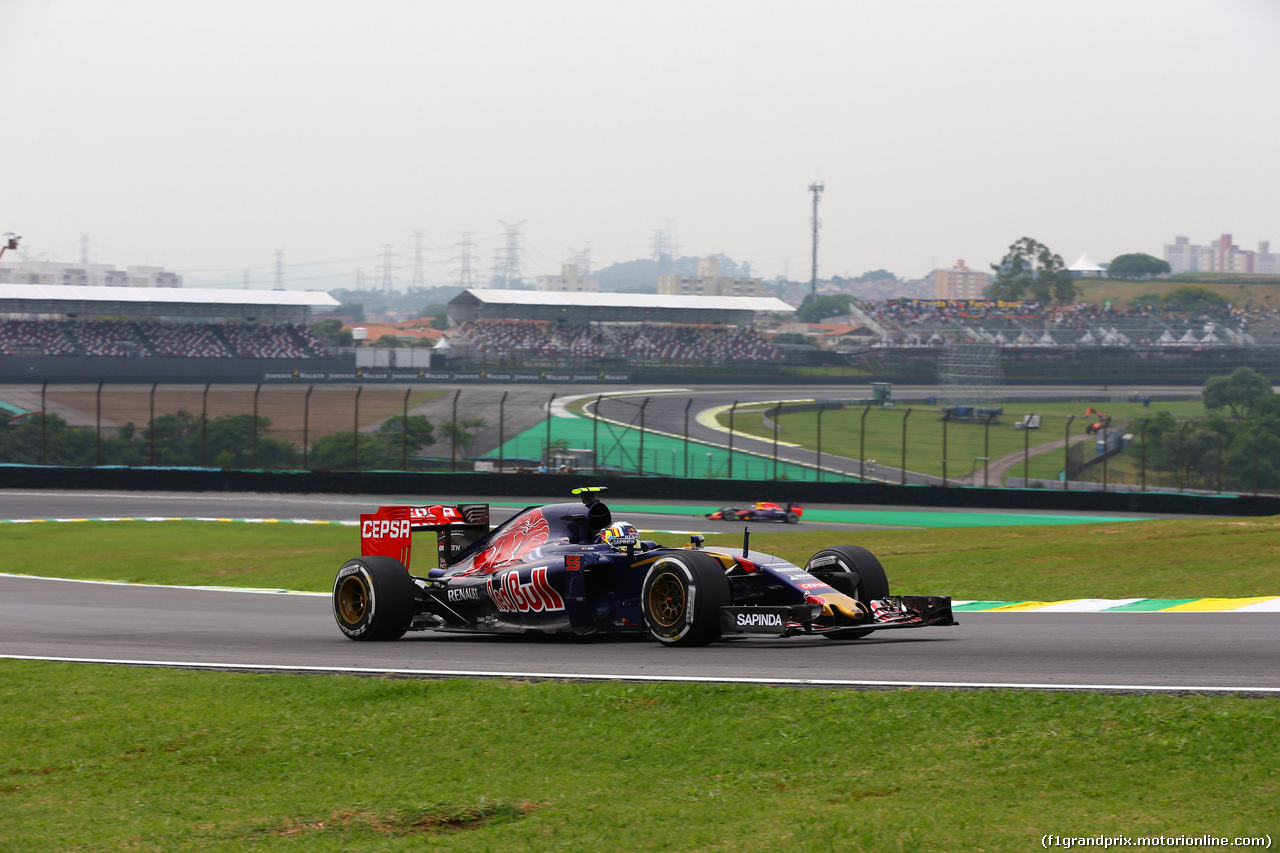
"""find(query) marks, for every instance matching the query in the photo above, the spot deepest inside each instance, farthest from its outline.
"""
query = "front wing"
(896, 611)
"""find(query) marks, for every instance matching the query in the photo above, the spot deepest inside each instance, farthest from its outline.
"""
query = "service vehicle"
(570, 568)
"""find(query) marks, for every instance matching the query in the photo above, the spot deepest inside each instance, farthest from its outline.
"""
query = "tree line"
(229, 441)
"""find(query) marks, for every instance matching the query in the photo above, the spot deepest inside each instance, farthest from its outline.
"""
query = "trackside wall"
(442, 486)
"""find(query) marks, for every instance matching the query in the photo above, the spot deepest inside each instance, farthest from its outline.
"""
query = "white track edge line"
(249, 589)
(577, 676)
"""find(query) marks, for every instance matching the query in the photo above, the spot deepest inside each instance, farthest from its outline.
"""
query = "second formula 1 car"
(760, 511)
(571, 568)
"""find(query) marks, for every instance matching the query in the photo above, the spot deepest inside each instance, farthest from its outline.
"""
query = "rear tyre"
(681, 598)
(854, 571)
(373, 598)
(792, 518)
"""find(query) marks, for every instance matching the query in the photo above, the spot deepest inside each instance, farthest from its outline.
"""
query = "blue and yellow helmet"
(619, 536)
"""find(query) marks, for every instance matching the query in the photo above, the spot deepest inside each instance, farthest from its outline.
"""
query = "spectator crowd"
(143, 339)
(510, 340)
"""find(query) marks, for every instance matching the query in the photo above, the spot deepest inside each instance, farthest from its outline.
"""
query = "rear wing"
(389, 531)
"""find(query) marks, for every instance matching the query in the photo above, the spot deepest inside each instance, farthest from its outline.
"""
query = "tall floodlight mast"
(816, 189)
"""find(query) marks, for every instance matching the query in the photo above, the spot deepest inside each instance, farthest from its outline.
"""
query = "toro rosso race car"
(762, 511)
(571, 569)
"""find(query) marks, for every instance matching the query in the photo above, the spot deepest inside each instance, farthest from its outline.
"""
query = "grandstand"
(536, 330)
(125, 339)
(535, 342)
(1026, 325)
(578, 308)
(69, 333)
(65, 333)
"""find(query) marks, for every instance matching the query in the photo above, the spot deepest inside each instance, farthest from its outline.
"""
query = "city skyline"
(939, 130)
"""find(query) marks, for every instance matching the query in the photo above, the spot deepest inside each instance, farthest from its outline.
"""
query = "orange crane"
(1099, 425)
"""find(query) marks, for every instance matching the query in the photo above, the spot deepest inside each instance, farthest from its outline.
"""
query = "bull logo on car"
(526, 534)
(535, 595)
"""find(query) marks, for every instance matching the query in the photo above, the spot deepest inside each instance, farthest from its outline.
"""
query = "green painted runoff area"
(619, 447)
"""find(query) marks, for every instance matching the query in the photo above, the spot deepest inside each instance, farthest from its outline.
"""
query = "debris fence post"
(546, 453)
(453, 439)
(945, 416)
(777, 413)
(355, 433)
(905, 415)
(1026, 451)
(99, 422)
(306, 427)
(640, 454)
(404, 431)
(1142, 465)
(595, 435)
(822, 407)
(44, 424)
(151, 452)
(862, 446)
(255, 424)
(1066, 455)
(204, 421)
(732, 409)
(686, 440)
(502, 428)
(1182, 456)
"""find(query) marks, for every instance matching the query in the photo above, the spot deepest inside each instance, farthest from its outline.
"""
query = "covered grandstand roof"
(476, 304)
(283, 305)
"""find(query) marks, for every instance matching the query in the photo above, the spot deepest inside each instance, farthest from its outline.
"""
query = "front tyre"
(854, 571)
(681, 598)
(373, 598)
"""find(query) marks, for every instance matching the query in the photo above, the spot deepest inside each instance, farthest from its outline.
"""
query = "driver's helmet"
(619, 536)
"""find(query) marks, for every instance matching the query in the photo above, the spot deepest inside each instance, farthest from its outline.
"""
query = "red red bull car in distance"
(570, 568)
(760, 511)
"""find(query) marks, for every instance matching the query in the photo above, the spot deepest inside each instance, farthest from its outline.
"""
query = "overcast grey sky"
(204, 136)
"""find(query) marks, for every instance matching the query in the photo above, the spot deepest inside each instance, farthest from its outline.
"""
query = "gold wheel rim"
(353, 600)
(666, 599)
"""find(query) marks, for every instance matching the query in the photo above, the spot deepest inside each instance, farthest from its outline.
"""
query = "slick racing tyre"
(681, 598)
(373, 598)
(792, 518)
(854, 571)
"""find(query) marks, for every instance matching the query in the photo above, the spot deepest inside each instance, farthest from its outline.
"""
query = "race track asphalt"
(192, 627)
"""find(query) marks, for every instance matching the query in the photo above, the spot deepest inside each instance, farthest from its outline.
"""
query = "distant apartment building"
(86, 275)
(1222, 256)
(958, 282)
(569, 281)
(708, 282)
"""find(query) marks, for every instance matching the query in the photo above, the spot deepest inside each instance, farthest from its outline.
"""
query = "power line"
(387, 283)
(507, 267)
(816, 189)
(418, 282)
(466, 277)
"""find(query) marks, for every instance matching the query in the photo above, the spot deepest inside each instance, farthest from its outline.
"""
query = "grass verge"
(101, 758)
(880, 436)
(1179, 558)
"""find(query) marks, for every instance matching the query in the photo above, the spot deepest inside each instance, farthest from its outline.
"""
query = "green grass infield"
(116, 758)
(1176, 558)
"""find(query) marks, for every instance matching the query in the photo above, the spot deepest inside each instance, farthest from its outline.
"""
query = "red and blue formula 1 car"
(761, 511)
(570, 568)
